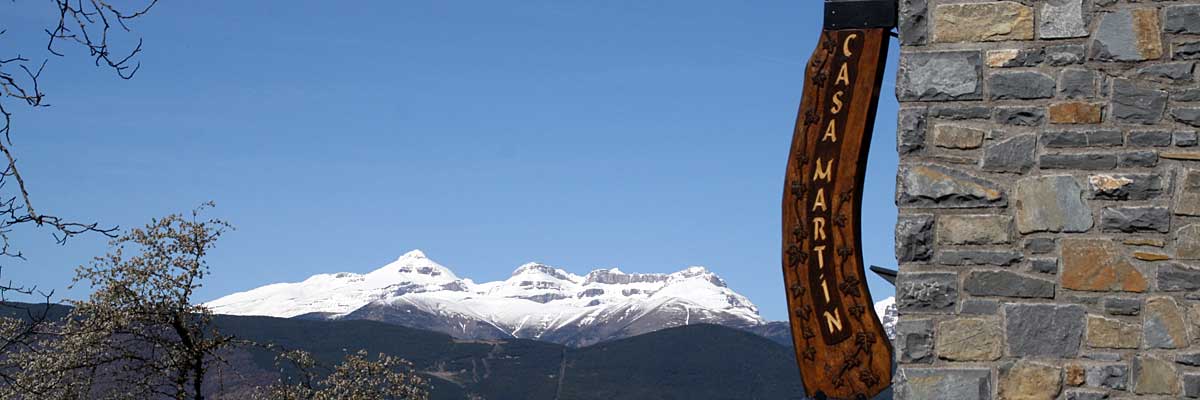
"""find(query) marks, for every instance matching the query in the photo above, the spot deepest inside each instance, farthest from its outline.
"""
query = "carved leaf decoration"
(850, 288)
(798, 232)
(829, 44)
(810, 117)
(795, 256)
(840, 220)
(797, 290)
(847, 195)
(845, 252)
(864, 340)
(810, 353)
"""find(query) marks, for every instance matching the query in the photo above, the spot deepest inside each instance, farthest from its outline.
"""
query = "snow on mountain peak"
(415, 253)
(537, 301)
(540, 291)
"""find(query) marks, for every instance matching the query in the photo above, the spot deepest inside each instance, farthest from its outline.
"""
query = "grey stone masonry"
(1048, 238)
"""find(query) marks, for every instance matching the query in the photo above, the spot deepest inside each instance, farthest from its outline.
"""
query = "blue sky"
(648, 136)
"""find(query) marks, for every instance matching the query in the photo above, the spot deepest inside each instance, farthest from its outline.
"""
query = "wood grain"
(841, 347)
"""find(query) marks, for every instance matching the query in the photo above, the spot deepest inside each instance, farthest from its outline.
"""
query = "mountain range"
(537, 302)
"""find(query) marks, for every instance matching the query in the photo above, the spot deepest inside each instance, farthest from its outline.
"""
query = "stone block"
(1182, 19)
(1111, 333)
(1122, 306)
(1042, 245)
(1007, 284)
(1176, 277)
(1076, 112)
(1044, 330)
(1097, 265)
(1108, 376)
(969, 339)
(1144, 241)
(1083, 138)
(1186, 138)
(1073, 375)
(1059, 19)
(914, 340)
(913, 24)
(1014, 155)
(1065, 54)
(1186, 50)
(1168, 72)
(1137, 159)
(1044, 265)
(979, 307)
(1153, 375)
(1190, 116)
(957, 137)
(973, 229)
(1135, 219)
(1188, 200)
(1191, 383)
(1133, 104)
(1020, 85)
(1128, 35)
(1077, 83)
(1187, 242)
(1163, 324)
(934, 292)
(1082, 161)
(979, 22)
(1125, 186)
(1051, 204)
(944, 383)
(910, 130)
(940, 76)
(1150, 138)
(914, 238)
(1028, 380)
(1027, 57)
(1020, 116)
(936, 186)
(1189, 359)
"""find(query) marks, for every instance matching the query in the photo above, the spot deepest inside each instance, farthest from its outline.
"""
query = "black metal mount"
(885, 273)
(860, 14)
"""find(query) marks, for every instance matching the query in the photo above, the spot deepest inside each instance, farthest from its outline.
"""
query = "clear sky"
(336, 136)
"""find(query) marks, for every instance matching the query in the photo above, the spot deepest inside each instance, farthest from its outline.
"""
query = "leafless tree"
(99, 27)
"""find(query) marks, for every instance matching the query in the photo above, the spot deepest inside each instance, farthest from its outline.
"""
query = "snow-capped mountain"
(537, 302)
(887, 312)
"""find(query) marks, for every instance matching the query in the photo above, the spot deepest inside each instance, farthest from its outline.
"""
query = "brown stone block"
(969, 339)
(1148, 256)
(1110, 333)
(1076, 113)
(1097, 265)
(982, 22)
(1030, 381)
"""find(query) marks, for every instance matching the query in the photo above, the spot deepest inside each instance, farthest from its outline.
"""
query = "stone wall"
(1049, 195)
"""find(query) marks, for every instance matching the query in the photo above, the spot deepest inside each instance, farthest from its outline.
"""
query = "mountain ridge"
(537, 301)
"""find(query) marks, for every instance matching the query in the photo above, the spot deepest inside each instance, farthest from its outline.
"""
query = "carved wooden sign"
(841, 347)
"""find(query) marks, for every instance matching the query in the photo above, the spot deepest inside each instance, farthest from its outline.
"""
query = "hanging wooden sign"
(841, 347)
